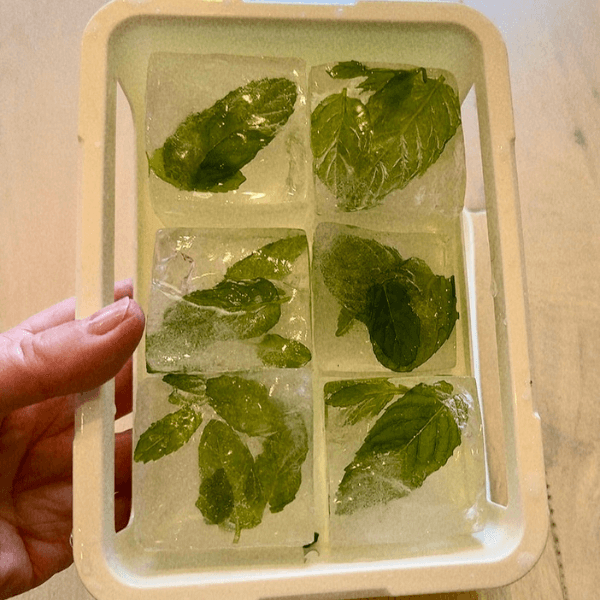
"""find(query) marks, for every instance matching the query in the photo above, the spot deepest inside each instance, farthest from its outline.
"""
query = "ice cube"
(166, 490)
(439, 191)
(251, 308)
(352, 350)
(451, 502)
(179, 85)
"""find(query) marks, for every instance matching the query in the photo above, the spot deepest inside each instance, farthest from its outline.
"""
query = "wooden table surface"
(554, 53)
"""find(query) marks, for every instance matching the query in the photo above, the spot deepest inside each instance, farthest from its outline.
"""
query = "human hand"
(44, 363)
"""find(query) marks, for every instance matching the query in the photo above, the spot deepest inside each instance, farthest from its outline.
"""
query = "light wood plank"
(541, 583)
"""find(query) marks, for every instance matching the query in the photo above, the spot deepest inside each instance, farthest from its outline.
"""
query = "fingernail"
(109, 317)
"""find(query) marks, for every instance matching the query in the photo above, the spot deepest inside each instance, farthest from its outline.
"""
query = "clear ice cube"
(182, 336)
(352, 352)
(166, 490)
(451, 502)
(439, 191)
(179, 85)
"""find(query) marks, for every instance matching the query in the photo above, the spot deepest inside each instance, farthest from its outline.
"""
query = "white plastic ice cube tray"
(116, 49)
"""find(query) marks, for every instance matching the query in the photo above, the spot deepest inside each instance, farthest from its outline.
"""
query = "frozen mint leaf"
(348, 70)
(361, 398)
(351, 265)
(414, 437)
(344, 322)
(208, 149)
(394, 327)
(230, 494)
(215, 497)
(410, 139)
(341, 135)
(349, 392)
(194, 384)
(411, 316)
(188, 328)
(408, 310)
(273, 261)
(277, 351)
(406, 120)
(185, 399)
(167, 435)
(232, 310)
(244, 404)
(236, 295)
(189, 321)
(390, 92)
(279, 466)
(156, 164)
(375, 78)
(188, 390)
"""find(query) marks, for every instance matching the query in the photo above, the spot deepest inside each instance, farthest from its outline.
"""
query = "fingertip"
(123, 288)
(124, 312)
(76, 356)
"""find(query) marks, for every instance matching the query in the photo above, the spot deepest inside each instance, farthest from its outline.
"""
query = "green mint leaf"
(156, 164)
(244, 404)
(408, 310)
(200, 326)
(341, 135)
(344, 322)
(167, 435)
(364, 151)
(184, 399)
(394, 327)
(208, 149)
(230, 494)
(409, 140)
(351, 265)
(273, 261)
(232, 310)
(189, 328)
(277, 351)
(215, 497)
(279, 466)
(227, 185)
(194, 384)
(415, 436)
(361, 398)
(411, 316)
(236, 295)
(375, 78)
(188, 390)
(383, 104)
(348, 70)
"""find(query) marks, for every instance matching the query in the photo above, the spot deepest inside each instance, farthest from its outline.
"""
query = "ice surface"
(165, 491)
(353, 351)
(452, 501)
(182, 84)
(190, 256)
(186, 260)
(440, 191)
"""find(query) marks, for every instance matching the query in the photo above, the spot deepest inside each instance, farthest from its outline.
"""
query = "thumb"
(75, 356)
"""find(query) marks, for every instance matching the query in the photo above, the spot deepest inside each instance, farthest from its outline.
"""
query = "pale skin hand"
(44, 363)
